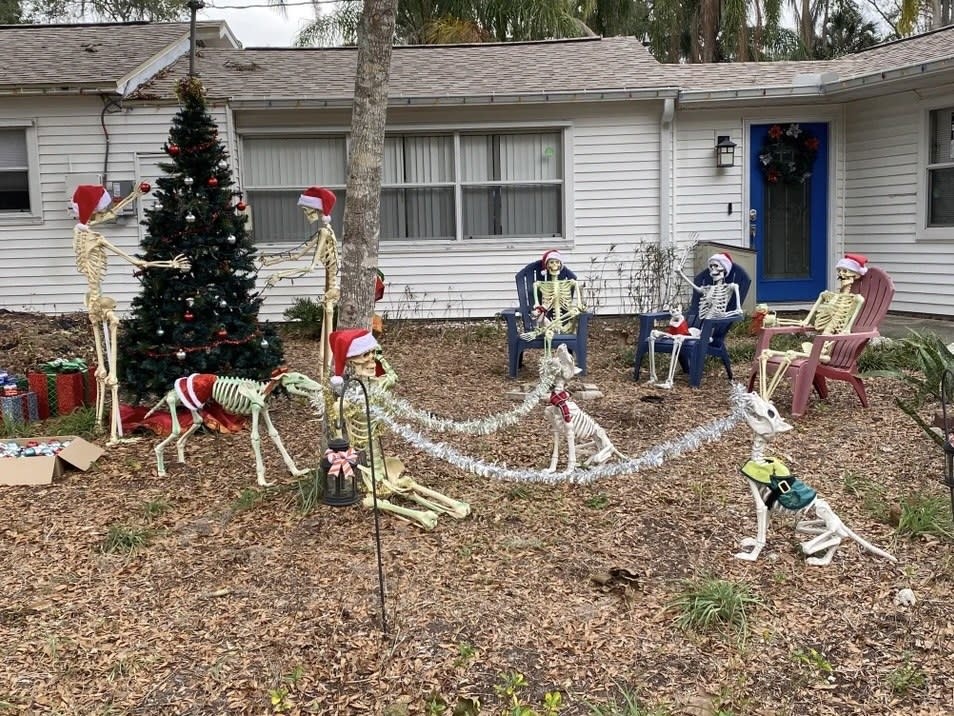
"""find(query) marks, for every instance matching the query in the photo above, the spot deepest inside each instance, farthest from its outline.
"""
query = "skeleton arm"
(112, 212)
(179, 262)
(697, 289)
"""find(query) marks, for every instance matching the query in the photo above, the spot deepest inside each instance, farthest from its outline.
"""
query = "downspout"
(665, 173)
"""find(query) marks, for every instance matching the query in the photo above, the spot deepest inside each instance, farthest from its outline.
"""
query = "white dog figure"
(569, 421)
(774, 487)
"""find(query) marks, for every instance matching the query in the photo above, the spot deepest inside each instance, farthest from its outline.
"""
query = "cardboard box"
(42, 469)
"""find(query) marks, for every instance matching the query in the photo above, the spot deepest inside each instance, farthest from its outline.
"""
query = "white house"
(498, 152)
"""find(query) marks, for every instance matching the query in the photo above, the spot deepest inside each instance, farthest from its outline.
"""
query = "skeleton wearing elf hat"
(357, 355)
(92, 205)
(317, 203)
(833, 313)
(717, 300)
(557, 302)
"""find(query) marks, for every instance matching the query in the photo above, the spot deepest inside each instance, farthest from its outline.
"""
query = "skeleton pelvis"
(393, 467)
(100, 304)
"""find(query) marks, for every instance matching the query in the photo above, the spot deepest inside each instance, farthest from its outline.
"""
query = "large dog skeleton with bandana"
(775, 488)
(569, 421)
(239, 396)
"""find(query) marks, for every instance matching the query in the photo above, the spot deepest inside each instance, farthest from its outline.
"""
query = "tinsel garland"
(653, 457)
(392, 406)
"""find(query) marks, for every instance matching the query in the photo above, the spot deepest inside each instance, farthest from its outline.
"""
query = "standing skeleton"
(833, 313)
(357, 351)
(91, 205)
(714, 301)
(557, 303)
(773, 487)
(570, 422)
(236, 395)
(317, 204)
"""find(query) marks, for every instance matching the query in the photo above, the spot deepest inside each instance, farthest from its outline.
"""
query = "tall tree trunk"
(362, 221)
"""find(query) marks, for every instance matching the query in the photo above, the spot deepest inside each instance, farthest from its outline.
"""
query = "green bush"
(306, 317)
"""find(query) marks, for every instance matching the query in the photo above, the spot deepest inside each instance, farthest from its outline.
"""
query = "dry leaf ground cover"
(235, 602)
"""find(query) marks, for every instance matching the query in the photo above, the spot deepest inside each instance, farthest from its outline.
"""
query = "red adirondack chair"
(805, 373)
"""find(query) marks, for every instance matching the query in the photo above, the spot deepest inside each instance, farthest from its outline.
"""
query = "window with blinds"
(940, 169)
(14, 171)
(444, 186)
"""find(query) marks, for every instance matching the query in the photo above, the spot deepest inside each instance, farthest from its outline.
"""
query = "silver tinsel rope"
(393, 406)
(653, 457)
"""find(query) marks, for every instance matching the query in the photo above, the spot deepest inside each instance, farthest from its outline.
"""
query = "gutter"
(444, 100)
(901, 73)
(47, 90)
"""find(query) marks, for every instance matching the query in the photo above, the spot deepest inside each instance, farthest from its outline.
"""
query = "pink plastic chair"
(805, 373)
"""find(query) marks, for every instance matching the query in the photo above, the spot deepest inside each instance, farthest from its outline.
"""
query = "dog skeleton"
(569, 421)
(773, 487)
(239, 396)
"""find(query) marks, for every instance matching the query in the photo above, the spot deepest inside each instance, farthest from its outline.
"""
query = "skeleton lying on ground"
(317, 204)
(357, 351)
(714, 301)
(91, 204)
(557, 303)
(569, 421)
(833, 313)
(775, 488)
(236, 395)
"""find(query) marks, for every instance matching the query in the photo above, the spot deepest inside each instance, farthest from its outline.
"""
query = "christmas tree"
(204, 320)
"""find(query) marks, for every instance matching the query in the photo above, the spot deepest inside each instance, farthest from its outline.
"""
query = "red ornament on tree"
(188, 315)
(213, 181)
(222, 333)
(173, 150)
(241, 206)
(145, 187)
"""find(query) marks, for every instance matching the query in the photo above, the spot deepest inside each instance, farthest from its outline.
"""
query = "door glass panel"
(787, 249)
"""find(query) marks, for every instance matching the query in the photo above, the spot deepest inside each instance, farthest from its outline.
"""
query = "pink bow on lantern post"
(341, 463)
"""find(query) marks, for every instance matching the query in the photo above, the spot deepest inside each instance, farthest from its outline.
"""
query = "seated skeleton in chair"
(833, 313)
(714, 302)
(774, 488)
(557, 303)
(570, 422)
(357, 351)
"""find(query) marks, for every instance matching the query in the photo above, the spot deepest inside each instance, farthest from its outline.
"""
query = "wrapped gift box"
(60, 393)
(20, 408)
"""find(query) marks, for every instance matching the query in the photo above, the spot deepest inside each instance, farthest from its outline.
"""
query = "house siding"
(882, 212)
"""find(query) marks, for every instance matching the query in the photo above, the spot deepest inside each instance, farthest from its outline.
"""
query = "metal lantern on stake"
(338, 471)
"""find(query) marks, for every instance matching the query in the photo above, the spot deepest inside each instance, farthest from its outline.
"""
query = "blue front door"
(788, 217)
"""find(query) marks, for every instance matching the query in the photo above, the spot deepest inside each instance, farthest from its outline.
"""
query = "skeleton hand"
(180, 262)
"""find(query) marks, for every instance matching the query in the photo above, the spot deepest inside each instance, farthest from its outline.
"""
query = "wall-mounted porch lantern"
(725, 152)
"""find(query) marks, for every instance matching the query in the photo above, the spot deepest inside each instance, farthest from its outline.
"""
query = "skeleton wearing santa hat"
(357, 353)
(715, 298)
(91, 206)
(833, 313)
(317, 204)
(557, 302)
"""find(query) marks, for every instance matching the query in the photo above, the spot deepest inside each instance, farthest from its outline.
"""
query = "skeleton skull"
(763, 417)
(364, 365)
(716, 272)
(554, 266)
(846, 278)
(311, 214)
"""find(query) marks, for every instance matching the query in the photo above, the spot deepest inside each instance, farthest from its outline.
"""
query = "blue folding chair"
(520, 320)
(711, 341)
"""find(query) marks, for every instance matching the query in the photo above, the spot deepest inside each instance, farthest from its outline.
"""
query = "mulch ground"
(241, 604)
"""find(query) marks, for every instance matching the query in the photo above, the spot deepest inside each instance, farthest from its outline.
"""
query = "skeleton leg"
(430, 499)
(673, 361)
(197, 423)
(605, 451)
(570, 447)
(758, 542)
(276, 438)
(767, 387)
(422, 518)
(111, 329)
(171, 401)
(556, 425)
(101, 371)
(257, 448)
(653, 378)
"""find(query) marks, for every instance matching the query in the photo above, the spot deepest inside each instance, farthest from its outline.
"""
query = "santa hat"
(196, 390)
(724, 259)
(378, 285)
(856, 263)
(317, 197)
(87, 200)
(349, 343)
(551, 255)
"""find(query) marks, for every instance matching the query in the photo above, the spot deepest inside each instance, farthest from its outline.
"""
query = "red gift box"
(58, 393)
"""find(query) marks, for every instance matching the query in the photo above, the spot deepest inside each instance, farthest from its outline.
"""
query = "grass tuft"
(710, 603)
(923, 514)
(123, 539)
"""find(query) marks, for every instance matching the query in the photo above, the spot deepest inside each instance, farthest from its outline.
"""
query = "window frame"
(35, 213)
(927, 232)
(459, 242)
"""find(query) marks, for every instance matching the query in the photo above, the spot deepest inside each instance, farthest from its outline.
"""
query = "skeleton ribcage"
(714, 302)
(225, 392)
(582, 424)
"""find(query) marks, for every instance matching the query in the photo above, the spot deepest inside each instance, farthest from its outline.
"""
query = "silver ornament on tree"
(160, 332)
(231, 238)
(264, 343)
(223, 303)
(180, 354)
(190, 301)
(223, 164)
(157, 206)
(188, 181)
(190, 218)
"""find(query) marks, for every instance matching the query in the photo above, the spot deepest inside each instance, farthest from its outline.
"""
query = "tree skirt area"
(241, 604)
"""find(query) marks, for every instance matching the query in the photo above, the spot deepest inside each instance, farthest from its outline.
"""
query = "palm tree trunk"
(362, 221)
